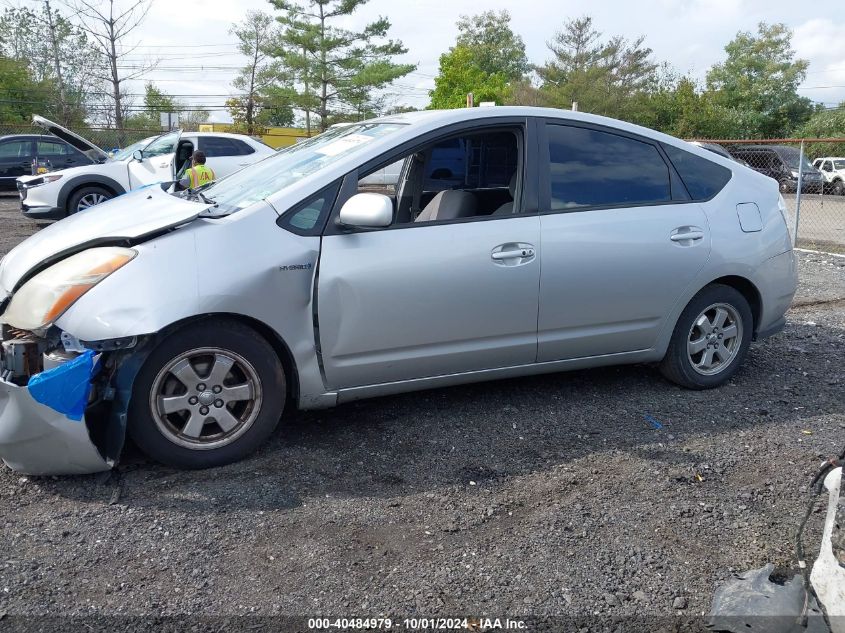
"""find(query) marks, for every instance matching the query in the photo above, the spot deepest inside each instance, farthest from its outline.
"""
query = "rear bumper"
(777, 283)
(46, 439)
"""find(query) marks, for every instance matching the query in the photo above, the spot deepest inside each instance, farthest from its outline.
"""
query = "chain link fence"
(811, 177)
(105, 138)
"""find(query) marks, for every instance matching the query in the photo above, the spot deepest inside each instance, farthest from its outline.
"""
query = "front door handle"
(528, 252)
(513, 254)
(164, 164)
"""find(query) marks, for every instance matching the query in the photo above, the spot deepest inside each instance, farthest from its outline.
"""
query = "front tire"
(710, 340)
(86, 198)
(209, 394)
(838, 188)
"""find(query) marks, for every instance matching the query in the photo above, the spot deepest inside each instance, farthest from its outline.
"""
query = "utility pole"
(470, 100)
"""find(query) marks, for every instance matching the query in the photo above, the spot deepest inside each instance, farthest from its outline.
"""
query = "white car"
(833, 172)
(156, 159)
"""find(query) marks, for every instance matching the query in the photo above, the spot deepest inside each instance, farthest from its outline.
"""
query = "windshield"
(286, 167)
(790, 156)
(127, 152)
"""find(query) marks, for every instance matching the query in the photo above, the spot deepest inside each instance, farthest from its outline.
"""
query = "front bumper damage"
(37, 439)
(62, 408)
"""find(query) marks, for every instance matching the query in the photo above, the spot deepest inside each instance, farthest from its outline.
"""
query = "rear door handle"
(692, 235)
(687, 234)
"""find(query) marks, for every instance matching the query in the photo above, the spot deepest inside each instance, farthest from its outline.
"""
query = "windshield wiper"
(205, 198)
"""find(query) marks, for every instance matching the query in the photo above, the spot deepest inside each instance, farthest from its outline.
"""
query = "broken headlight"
(45, 297)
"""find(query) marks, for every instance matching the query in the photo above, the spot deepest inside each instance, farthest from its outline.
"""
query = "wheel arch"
(749, 291)
(265, 331)
(90, 180)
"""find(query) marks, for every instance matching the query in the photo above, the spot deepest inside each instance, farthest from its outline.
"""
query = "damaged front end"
(63, 402)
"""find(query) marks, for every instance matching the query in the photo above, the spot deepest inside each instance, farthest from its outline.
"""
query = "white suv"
(833, 171)
(156, 159)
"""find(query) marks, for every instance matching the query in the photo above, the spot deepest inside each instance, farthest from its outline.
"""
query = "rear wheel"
(710, 340)
(208, 395)
(88, 197)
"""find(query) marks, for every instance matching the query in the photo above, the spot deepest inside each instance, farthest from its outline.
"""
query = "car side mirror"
(138, 155)
(367, 210)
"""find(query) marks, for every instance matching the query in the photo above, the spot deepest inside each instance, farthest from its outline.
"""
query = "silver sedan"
(513, 241)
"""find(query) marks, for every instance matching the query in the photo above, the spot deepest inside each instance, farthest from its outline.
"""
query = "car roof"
(32, 137)
(830, 158)
(777, 149)
(223, 134)
(446, 117)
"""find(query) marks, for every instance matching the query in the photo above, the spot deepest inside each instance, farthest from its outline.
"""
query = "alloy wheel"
(89, 200)
(714, 339)
(205, 398)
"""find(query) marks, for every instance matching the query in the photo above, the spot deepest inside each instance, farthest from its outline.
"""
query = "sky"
(689, 34)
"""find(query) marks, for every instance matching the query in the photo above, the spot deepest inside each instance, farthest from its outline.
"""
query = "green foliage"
(157, 101)
(496, 49)
(267, 93)
(20, 93)
(677, 106)
(488, 60)
(460, 74)
(26, 36)
(760, 76)
(334, 70)
(603, 77)
(825, 124)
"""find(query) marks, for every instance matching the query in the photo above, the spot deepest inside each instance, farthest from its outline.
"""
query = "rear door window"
(53, 148)
(592, 168)
(216, 146)
(16, 149)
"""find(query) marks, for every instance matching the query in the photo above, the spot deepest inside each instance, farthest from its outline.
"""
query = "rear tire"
(710, 340)
(86, 198)
(209, 394)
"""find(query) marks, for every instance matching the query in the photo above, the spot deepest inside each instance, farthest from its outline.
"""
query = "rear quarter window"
(703, 178)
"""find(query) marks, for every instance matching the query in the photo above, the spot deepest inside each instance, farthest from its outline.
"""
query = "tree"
(676, 105)
(486, 60)
(257, 35)
(333, 67)
(109, 25)
(496, 48)
(156, 102)
(20, 92)
(761, 75)
(825, 124)
(603, 77)
(55, 50)
(459, 74)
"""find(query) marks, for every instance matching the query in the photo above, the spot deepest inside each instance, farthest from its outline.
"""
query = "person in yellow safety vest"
(197, 174)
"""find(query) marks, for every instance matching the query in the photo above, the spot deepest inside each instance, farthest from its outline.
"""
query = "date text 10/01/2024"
(417, 624)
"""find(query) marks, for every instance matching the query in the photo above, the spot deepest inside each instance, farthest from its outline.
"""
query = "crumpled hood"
(127, 218)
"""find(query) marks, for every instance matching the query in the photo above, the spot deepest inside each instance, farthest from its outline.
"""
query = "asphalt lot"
(535, 496)
(822, 221)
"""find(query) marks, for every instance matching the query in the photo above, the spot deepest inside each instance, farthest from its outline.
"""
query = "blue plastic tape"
(653, 421)
(65, 388)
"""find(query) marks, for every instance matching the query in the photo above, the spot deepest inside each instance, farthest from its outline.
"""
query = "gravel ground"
(543, 495)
